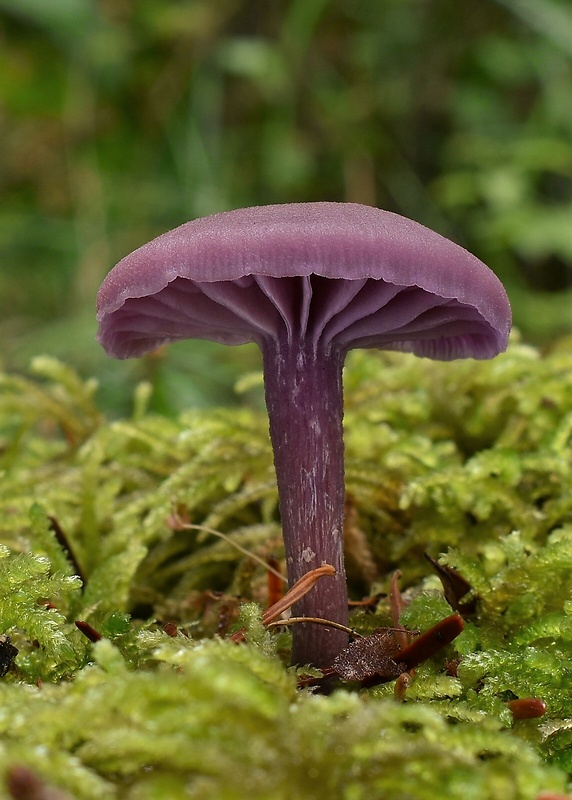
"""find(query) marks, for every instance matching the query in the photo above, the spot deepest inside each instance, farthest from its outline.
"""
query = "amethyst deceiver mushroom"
(307, 282)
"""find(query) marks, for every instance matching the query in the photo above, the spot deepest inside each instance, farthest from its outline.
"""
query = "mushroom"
(307, 282)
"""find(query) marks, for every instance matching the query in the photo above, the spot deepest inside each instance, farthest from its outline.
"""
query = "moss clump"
(210, 719)
(470, 462)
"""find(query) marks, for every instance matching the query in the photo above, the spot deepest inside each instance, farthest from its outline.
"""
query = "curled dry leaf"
(380, 657)
(299, 590)
(455, 588)
(373, 656)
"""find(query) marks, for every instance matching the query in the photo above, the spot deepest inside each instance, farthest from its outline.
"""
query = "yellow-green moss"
(471, 462)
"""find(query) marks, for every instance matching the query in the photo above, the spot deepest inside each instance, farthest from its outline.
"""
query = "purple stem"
(304, 398)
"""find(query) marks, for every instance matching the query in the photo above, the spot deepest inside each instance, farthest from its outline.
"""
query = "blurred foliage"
(470, 461)
(122, 118)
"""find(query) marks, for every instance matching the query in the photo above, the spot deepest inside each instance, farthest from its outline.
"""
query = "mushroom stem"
(304, 397)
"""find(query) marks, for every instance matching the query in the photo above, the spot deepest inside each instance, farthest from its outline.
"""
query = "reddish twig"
(88, 631)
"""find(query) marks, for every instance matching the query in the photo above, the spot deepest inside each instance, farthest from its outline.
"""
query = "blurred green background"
(120, 119)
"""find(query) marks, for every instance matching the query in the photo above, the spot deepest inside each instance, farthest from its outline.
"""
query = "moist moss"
(470, 462)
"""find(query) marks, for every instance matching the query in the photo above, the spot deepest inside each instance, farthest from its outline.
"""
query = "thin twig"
(316, 621)
(64, 543)
(190, 526)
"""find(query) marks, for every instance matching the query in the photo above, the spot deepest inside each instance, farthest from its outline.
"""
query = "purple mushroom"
(307, 282)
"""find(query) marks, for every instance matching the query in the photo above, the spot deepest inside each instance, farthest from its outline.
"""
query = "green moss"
(216, 720)
(468, 461)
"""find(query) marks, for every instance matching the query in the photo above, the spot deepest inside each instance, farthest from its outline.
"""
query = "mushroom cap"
(341, 274)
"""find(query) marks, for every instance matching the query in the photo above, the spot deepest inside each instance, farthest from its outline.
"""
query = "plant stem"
(304, 397)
